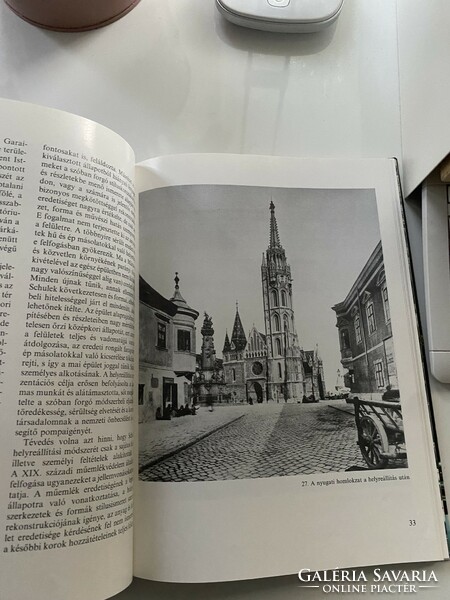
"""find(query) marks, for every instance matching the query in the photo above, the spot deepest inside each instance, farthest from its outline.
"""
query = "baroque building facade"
(167, 353)
(363, 320)
(272, 366)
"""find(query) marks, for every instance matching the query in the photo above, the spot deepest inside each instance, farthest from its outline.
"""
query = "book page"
(67, 283)
(283, 420)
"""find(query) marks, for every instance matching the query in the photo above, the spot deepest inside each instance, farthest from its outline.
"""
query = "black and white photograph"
(265, 335)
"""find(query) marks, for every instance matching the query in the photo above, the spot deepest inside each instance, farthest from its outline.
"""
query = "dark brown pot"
(71, 15)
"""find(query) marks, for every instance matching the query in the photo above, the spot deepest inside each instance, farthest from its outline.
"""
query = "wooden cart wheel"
(372, 441)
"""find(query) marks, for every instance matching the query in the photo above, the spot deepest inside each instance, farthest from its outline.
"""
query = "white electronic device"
(436, 257)
(288, 16)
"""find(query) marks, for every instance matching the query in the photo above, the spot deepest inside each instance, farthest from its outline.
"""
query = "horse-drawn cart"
(381, 436)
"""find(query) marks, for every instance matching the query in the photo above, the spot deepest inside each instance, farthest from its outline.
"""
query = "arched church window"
(280, 372)
(276, 322)
(274, 296)
(278, 346)
(286, 323)
(283, 298)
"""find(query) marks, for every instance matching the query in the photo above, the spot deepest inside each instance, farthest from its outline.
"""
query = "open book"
(245, 400)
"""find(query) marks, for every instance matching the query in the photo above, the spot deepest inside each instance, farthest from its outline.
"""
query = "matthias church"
(269, 366)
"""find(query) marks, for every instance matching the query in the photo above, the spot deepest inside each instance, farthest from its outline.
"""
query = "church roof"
(226, 344)
(238, 339)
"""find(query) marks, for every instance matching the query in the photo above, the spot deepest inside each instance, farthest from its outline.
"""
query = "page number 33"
(412, 523)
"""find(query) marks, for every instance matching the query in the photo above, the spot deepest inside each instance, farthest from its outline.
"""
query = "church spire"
(226, 344)
(274, 236)
(275, 259)
(238, 339)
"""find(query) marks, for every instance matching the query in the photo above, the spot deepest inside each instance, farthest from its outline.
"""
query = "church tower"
(285, 364)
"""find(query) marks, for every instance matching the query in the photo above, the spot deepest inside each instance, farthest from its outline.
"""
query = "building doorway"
(170, 394)
(259, 392)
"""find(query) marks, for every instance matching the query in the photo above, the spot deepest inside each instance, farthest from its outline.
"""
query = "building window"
(278, 346)
(141, 389)
(162, 335)
(283, 298)
(233, 374)
(371, 318)
(257, 368)
(280, 372)
(276, 322)
(274, 296)
(184, 340)
(387, 310)
(379, 375)
(345, 341)
(358, 329)
(286, 323)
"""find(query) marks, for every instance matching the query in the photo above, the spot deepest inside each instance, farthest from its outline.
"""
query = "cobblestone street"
(256, 441)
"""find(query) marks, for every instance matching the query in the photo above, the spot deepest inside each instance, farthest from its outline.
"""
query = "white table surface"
(173, 77)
